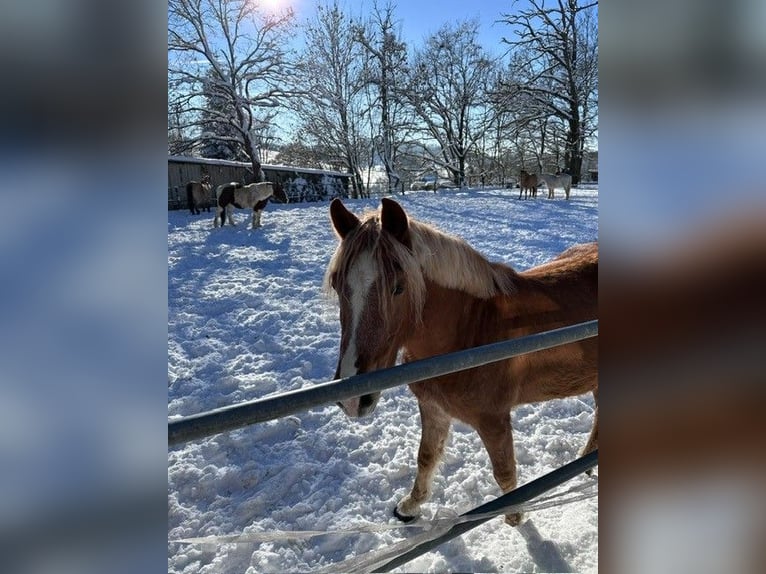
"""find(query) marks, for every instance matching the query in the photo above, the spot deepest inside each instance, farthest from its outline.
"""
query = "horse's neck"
(452, 320)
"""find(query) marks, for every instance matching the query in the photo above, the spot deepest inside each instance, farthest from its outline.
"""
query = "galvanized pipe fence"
(497, 506)
(260, 410)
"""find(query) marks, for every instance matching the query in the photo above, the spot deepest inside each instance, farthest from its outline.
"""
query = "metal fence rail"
(261, 410)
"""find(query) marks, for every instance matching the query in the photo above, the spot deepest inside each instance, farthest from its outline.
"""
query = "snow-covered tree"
(385, 71)
(329, 107)
(556, 52)
(298, 154)
(446, 88)
(217, 139)
(231, 51)
(179, 141)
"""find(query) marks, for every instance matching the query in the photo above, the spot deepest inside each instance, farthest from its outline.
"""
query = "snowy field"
(247, 318)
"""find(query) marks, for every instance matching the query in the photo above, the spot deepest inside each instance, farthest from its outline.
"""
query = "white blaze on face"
(360, 279)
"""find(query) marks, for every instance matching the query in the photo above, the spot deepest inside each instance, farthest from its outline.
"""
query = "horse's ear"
(342, 219)
(394, 220)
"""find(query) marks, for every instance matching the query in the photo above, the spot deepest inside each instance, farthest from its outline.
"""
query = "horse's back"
(552, 180)
(258, 194)
(577, 257)
(581, 254)
(569, 282)
(224, 193)
(529, 179)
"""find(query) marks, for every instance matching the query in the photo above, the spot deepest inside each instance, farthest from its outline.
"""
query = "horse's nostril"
(365, 402)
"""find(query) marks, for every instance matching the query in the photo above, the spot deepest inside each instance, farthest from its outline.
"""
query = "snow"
(247, 318)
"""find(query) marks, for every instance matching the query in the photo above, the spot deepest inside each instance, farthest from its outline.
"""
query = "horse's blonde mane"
(450, 262)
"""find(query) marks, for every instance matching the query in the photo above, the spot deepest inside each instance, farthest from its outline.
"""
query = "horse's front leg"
(497, 436)
(256, 218)
(593, 439)
(435, 425)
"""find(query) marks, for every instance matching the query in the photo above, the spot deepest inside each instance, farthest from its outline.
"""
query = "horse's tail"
(190, 195)
(280, 194)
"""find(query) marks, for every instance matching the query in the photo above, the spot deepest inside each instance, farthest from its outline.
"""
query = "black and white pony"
(198, 194)
(230, 195)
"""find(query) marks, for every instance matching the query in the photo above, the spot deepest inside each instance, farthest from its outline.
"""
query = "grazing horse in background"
(234, 194)
(528, 181)
(563, 180)
(198, 194)
(402, 285)
(279, 193)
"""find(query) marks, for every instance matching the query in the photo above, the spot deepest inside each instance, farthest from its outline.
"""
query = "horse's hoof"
(403, 517)
(514, 519)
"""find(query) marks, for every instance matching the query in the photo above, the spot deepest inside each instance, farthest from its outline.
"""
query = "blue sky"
(420, 19)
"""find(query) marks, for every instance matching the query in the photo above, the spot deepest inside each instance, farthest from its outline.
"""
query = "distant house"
(299, 183)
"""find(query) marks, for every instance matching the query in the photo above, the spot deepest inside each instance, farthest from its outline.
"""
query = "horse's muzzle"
(367, 404)
(360, 407)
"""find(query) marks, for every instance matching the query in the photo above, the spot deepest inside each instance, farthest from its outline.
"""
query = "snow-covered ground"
(247, 318)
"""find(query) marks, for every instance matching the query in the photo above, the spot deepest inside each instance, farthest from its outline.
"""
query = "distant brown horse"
(405, 286)
(528, 182)
(198, 194)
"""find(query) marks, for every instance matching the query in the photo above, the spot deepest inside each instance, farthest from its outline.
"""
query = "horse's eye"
(398, 289)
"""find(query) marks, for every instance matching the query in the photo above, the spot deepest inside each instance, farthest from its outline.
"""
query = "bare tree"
(557, 50)
(235, 54)
(329, 106)
(385, 70)
(179, 143)
(298, 154)
(446, 87)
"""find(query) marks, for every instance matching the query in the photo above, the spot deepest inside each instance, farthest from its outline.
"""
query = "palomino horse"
(563, 180)
(528, 182)
(405, 286)
(234, 194)
(198, 194)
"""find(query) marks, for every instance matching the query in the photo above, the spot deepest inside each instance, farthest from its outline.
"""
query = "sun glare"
(274, 6)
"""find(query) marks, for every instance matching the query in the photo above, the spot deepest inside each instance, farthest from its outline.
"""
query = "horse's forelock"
(390, 256)
(394, 257)
(347, 251)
